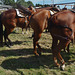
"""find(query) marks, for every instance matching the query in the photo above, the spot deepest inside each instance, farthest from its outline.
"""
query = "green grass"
(20, 60)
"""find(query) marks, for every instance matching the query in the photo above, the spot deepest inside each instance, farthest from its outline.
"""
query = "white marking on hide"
(22, 32)
(63, 66)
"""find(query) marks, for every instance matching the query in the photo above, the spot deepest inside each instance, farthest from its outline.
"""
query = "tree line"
(13, 2)
(22, 2)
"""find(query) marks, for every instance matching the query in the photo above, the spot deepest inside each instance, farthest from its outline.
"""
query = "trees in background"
(8, 2)
(24, 3)
(13, 2)
(40, 5)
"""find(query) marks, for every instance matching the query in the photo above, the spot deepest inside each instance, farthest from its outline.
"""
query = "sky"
(50, 1)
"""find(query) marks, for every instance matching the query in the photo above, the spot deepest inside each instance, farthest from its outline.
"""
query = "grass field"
(20, 60)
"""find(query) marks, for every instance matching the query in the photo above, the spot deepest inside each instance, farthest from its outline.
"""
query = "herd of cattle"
(60, 24)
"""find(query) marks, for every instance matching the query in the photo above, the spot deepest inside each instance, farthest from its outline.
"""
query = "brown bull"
(10, 20)
(62, 28)
(39, 22)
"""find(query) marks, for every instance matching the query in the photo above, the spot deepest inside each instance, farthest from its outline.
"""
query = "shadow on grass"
(26, 62)
(16, 42)
(20, 52)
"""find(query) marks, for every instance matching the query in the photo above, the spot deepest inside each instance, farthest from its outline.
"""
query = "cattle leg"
(6, 33)
(1, 42)
(62, 44)
(22, 31)
(35, 43)
(40, 50)
(26, 31)
(68, 48)
(54, 51)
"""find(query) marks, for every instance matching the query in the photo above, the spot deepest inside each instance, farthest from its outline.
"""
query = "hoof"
(36, 54)
(39, 53)
(9, 46)
(62, 67)
(22, 32)
(26, 32)
(66, 51)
